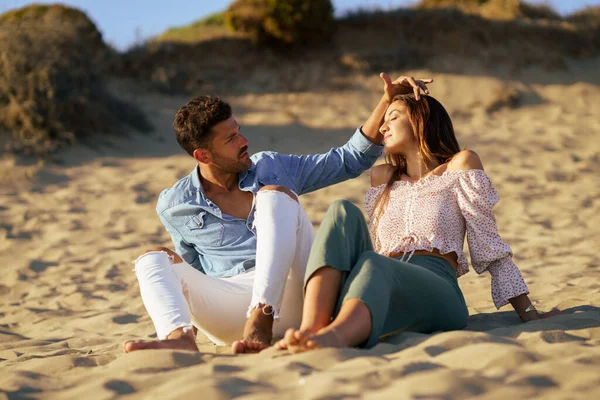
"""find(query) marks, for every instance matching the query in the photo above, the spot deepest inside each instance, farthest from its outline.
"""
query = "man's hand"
(403, 85)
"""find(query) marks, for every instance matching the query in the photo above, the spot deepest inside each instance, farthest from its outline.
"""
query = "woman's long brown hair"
(434, 133)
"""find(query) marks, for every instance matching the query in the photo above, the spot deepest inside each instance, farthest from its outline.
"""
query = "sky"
(124, 23)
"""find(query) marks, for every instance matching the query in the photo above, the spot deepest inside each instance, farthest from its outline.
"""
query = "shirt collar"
(242, 182)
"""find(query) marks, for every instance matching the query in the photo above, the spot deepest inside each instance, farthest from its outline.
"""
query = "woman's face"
(397, 131)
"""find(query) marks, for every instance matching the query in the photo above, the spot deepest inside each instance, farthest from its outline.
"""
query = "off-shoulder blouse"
(436, 213)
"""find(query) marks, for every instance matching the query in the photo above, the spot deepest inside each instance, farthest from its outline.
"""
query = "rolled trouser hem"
(171, 328)
(256, 304)
(376, 323)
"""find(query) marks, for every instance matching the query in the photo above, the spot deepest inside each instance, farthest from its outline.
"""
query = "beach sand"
(70, 228)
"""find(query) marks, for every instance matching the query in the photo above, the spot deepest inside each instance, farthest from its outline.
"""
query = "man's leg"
(175, 295)
(284, 236)
(163, 298)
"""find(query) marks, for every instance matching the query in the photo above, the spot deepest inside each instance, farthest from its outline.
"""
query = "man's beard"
(232, 166)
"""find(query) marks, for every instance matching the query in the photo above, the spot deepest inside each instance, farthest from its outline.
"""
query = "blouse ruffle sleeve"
(476, 197)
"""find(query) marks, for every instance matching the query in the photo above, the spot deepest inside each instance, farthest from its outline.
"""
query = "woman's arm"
(526, 311)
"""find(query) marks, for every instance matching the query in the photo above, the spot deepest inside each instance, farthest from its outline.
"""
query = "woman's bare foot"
(247, 346)
(297, 341)
(281, 344)
(258, 333)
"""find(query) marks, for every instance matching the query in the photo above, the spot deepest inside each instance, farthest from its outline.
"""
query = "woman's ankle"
(311, 328)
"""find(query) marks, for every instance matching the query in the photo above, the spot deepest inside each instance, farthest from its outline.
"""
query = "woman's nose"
(383, 129)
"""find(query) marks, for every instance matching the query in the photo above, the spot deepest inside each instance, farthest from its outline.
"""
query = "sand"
(70, 228)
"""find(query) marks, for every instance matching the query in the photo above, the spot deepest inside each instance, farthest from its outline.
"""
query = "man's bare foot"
(177, 341)
(258, 333)
(297, 341)
(183, 343)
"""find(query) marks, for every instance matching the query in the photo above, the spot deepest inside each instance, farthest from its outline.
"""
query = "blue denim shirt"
(220, 245)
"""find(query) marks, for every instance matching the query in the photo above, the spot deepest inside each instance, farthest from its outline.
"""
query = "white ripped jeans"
(179, 296)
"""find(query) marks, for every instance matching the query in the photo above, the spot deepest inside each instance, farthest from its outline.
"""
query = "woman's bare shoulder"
(381, 174)
(465, 159)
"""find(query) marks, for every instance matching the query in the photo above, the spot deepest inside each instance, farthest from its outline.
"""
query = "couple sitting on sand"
(246, 254)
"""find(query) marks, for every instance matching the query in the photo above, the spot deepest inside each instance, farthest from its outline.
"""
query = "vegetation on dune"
(271, 21)
(589, 16)
(282, 22)
(204, 29)
(51, 91)
(54, 16)
(440, 34)
(496, 9)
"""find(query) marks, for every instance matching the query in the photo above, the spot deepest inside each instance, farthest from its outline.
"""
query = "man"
(241, 238)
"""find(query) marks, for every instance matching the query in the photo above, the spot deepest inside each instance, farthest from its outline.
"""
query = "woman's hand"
(403, 85)
(533, 315)
(527, 312)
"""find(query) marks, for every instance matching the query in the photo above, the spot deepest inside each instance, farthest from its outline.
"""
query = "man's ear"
(202, 155)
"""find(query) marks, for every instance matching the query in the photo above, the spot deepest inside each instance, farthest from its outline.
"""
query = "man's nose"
(243, 141)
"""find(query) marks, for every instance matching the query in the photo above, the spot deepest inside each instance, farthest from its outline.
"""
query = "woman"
(399, 273)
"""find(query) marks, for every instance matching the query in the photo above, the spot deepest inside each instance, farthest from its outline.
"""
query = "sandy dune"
(70, 228)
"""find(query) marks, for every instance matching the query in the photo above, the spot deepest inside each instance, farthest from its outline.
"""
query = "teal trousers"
(417, 296)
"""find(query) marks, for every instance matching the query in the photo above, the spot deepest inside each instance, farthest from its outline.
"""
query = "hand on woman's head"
(404, 85)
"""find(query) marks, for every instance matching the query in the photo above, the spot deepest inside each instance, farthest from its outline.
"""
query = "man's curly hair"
(194, 122)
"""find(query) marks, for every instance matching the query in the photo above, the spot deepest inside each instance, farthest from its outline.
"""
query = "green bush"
(282, 22)
(51, 91)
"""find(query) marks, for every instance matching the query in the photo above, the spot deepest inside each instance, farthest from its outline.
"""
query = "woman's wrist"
(523, 307)
(528, 314)
(385, 99)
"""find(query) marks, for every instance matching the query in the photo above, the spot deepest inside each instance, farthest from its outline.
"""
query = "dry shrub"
(589, 16)
(282, 22)
(55, 16)
(496, 9)
(425, 36)
(538, 11)
(50, 89)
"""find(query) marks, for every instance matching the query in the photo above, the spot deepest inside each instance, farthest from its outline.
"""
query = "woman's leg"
(340, 241)
(388, 296)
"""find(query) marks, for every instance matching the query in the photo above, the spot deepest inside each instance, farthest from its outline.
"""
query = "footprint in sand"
(40, 266)
(143, 194)
(126, 319)
(119, 387)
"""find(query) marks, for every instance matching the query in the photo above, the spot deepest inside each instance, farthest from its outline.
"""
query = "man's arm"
(308, 173)
(304, 174)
